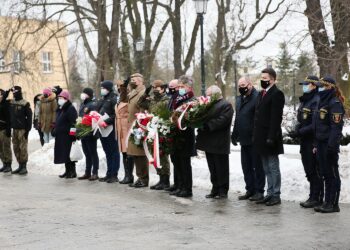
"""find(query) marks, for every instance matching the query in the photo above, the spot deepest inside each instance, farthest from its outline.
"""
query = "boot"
(3, 167)
(18, 169)
(158, 184)
(23, 170)
(129, 168)
(164, 182)
(171, 188)
(7, 168)
(72, 172)
(65, 172)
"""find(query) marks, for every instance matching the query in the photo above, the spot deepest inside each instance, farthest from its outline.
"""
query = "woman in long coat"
(121, 124)
(65, 120)
(48, 107)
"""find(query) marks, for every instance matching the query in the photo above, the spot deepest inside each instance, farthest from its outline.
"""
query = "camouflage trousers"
(20, 145)
(164, 162)
(5, 147)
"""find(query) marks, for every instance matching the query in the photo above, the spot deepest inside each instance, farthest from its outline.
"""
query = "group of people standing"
(257, 127)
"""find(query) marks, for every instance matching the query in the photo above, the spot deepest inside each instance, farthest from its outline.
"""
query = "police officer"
(304, 130)
(5, 132)
(153, 104)
(21, 123)
(328, 122)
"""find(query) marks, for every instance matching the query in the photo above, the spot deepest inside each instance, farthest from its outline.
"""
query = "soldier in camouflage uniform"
(21, 123)
(5, 133)
(151, 103)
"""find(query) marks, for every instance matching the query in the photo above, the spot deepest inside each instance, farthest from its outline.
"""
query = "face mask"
(61, 102)
(182, 92)
(320, 89)
(264, 84)
(243, 91)
(104, 92)
(306, 89)
(156, 93)
(171, 91)
(83, 96)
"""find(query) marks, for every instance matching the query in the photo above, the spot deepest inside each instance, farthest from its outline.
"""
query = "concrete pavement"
(43, 212)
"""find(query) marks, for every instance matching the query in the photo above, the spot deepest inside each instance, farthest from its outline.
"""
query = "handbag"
(76, 153)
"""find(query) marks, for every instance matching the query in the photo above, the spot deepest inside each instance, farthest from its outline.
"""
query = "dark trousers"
(41, 135)
(219, 172)
(328, 162)
(142, 170)
(110, 146)
(89, 145)
(173, 160)
(253, 171)
(312, 170)
(183, 167)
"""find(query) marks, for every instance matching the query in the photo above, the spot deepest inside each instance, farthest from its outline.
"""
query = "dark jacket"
(86, 107)
(244, 121)
(214, 137)
(328, 119)
(306, 110)
(267, 122)
(21, 115)
(107, 106)
(65, 120)
(5, 117)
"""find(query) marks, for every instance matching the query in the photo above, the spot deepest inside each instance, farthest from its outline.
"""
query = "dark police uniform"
(328, 125)
(307, 107)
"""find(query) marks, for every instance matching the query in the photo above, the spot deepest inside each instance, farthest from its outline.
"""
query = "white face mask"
(104, 92)
(83, 96)
(61, 102)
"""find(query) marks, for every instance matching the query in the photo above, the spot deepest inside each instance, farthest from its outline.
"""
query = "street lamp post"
(235, 58)
(201, 9)
(139, 46)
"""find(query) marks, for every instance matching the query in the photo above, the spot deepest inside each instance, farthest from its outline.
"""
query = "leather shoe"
(257, 197)
(309, 203)
(93, 177)
(84, 177)
(103, 179)
(113, 179)
(171, 188)
(273, 201)
(139, 184)
(184, 194)
(246, 196)
(266, 199)
(210, 196)
(175, 192)
(318, 208)
(220, 196)
(329, 208)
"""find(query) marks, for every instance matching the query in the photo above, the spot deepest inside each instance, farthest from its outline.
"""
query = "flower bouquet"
(84, 125)
(138, 130)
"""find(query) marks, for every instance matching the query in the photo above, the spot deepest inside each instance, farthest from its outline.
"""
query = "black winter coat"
(244, 121)
(214, 137)
(267, 122)
(65, 119)
(107, 106)
(21, 115)
(86, 107)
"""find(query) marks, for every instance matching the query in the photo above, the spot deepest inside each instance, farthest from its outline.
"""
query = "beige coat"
(133, 108)
(47, 114)
(121, 124)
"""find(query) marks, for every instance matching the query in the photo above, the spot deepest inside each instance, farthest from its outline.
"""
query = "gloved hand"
(148, 90)
(270, 142)
(26, 134)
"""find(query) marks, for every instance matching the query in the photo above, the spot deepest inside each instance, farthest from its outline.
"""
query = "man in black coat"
(253, 171)
(267, 135)
(5, 132)
(110, 145)
(214, 140)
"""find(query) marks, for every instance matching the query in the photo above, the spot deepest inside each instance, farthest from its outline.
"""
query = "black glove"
(8, 132)
(293, 134)
(270, 143)
(126, 82)
(148, 90)
(26, 134)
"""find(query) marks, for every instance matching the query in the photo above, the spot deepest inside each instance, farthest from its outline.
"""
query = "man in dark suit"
(253, 171)
(267, 135)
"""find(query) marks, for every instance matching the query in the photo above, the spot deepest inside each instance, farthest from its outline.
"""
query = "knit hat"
(47, 91)
(65, 94)
(89, 92)
(107, 84)
(57, 89)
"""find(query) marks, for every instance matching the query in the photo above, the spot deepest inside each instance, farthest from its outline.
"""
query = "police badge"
(323, 113)
(337, 117)
(306, 113)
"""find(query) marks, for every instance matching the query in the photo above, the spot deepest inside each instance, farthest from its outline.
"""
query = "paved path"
(43, 212)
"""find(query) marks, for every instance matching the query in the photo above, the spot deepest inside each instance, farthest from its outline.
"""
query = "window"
(17, 61)
(47, 61)
(3, 67)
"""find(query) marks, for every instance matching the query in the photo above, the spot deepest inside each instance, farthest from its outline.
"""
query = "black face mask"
(264, 84)
(171, 91)
(18, 96)
(243, 90)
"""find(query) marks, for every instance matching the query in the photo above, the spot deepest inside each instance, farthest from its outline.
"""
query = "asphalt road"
(45, 212)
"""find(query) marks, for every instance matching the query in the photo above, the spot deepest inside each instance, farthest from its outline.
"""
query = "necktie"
(263, 93)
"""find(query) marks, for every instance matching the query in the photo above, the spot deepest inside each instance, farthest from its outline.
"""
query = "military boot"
(23, 170)
(129, 168)
(7, 168)
(165, 183)
(18, 169)
(3, 167)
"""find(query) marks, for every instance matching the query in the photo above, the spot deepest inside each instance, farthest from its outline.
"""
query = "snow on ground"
(294, 184)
